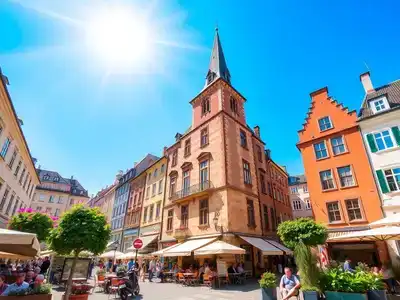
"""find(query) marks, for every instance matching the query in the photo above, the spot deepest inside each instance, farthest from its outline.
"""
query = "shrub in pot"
(42, 292)
(309, 292)
(79, 292)
(340, 285)
(268, 286)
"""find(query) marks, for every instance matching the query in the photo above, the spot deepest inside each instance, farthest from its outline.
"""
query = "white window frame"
(339, 210)
(297, 205)
(372, 104)
(333, 180)
(315, 151)
(359, 207)
(307, 203)
(294, 190)
(383, 140)
(343, 143)
(305, 188)
(330, 122)
(352, 176)
(394, 177)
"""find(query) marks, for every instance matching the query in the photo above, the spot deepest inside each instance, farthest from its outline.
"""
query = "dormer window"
(56, 179)
(325, 123)
(205, 106)
(378, 105)
(210, 77)
(46, 177)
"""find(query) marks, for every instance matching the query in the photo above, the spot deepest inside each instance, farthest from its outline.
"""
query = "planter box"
(309, 295)
(77, 297)
(30, 297)
(345, 296)
(376, 295)
(268, 293)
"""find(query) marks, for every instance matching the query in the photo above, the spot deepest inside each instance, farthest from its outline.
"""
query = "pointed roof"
(217, 68)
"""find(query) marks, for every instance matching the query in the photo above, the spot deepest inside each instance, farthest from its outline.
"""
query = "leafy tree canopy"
(32, 222)
(304, 229)
(80, 229)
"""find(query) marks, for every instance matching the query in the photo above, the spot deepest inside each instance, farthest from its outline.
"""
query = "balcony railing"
(192, 190)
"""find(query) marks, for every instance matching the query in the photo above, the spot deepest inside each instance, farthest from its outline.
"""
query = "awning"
(266, 248)
(146, 241)
(332, 236)
(219, 247)
(280, 246)
(111, 254)
(186, 248)
(392, 220)
(161, 252)
(17, 242)
(389, 233)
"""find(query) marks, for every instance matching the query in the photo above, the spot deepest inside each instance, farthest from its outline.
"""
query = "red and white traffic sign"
(137, 244)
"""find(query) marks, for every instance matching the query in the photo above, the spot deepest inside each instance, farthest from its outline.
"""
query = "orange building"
(340, 180)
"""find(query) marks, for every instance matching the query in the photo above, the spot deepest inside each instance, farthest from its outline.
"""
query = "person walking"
(152, 266)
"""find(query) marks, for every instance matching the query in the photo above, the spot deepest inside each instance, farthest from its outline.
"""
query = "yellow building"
(56, 194)
(18, 178)
(153, 203)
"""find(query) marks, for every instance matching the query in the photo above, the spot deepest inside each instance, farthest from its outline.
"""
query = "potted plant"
(359, 285)
(42, 292)
(268, 286)
(79, 292)
(309, 292)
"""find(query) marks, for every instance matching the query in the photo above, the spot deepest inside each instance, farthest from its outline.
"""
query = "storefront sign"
(133, 231)
(152, 229)
(168, 244)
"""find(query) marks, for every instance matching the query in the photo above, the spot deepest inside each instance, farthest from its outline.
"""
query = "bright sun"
(119, 37)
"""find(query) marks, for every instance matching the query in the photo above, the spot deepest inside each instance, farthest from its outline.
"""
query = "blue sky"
(87, 118)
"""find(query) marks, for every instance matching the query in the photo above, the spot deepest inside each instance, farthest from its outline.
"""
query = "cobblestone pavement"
(172, 291)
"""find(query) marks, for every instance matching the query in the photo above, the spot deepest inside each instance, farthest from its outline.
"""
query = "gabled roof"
(331, 99)
(54, 177)
(297, 179)
(392, 93)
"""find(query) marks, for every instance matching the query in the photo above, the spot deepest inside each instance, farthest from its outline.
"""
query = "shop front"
(129, 236)
(150, 237)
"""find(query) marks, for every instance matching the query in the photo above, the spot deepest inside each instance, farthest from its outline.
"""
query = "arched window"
(234, 107)
(205, 106)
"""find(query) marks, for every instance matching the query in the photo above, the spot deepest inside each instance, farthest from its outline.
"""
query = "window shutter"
(371, 143)
(382, 181)
(396, 133)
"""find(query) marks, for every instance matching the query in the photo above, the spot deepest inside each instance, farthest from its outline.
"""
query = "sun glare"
(119, 37)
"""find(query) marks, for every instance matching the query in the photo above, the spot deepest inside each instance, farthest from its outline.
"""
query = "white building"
(18, 178)
(379, 120)
(299, 197)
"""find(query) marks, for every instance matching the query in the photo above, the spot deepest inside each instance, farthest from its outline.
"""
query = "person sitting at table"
(207, 270)
(37, 282)
(190, 269)
(29, 277)
(19, 285)
(3, 284)
(240, 268)
(175, 269)
(232, 269)
(289, 285)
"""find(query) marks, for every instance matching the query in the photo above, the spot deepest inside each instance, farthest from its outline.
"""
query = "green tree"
(300, 235)
(302, 229)
(27, 220)
(79, 229)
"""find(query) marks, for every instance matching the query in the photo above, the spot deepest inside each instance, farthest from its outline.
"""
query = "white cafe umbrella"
(392, 220)
(374, 234)
(17, 242)
(111, 254)
(219, 247)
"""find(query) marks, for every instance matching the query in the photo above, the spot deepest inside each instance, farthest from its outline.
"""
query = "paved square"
(172, 291)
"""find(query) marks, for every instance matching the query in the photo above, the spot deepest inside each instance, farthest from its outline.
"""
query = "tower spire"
(217, 68)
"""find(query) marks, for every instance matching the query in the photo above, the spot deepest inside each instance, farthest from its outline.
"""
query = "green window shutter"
(382, 181)
(396, 134)
(371, 143)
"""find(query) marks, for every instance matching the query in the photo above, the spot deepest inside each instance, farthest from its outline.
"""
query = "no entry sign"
(137, 244)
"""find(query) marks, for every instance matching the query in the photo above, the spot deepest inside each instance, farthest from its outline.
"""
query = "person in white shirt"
(240, 268)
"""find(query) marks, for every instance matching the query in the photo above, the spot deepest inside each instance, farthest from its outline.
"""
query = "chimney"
(119, 175)
(257, 131)
(165, 150)
(366, 82)
(178, 137)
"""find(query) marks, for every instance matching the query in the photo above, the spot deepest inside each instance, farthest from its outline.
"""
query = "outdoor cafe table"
(237, 278)
(188, 278)
(169, 275)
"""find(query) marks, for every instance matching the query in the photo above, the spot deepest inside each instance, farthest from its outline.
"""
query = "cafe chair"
(114, 287)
